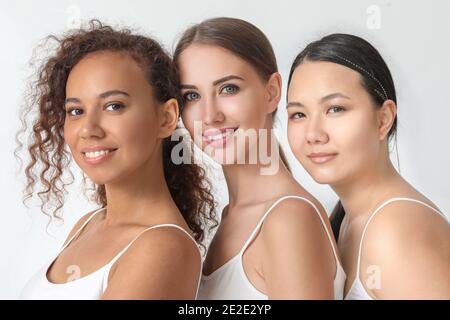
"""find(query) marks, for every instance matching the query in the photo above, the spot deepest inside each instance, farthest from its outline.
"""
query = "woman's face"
(111, 124)
(223, 93)
(333, 125)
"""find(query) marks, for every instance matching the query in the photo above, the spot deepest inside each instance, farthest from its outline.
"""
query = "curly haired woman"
(112, 97)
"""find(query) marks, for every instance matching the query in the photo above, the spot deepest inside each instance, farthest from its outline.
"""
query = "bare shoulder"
(166, 265)
(295, 224)
(164, 241)
(401, 224)
(294, 215)
(298, 261)
(410, 243)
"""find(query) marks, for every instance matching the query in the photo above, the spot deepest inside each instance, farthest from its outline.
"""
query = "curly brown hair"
(49, 159)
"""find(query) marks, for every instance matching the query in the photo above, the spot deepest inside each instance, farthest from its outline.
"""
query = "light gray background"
(413, 37)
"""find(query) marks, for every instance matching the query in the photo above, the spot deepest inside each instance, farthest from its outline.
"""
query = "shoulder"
(403, 224)
(293, 229)
(165, 264)
(164, 241)
(293, 218)
(410, 244)
(298, 261)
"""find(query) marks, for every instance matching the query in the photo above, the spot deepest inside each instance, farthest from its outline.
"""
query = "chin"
(324, 177)
(100, 179)
(222, 156)
(223, 160)
(322, 180)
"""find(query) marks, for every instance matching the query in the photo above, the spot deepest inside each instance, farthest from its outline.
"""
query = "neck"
(141, 197)
(247, 185)
(360, 195)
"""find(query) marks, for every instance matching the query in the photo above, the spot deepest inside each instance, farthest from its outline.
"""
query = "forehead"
(105, 70)
(323, 76)
(206, 63)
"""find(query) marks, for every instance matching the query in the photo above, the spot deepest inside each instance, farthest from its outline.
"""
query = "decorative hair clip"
(383, 95)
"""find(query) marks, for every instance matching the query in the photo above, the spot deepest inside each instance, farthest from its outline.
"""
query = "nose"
(91, 127)
(315, 132)
(212, 113)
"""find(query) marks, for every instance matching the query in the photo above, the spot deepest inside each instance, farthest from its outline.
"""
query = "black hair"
(357, 54)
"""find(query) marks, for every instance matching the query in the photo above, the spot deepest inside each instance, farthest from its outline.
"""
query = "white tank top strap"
(111, 263)
(376, 211)
(79, 230)
(258, 226)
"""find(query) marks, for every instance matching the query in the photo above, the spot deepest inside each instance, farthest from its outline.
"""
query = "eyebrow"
(103, 95)
(294, 104)
(219, 81)
(215, 83)
(322, 100)
(332, 96)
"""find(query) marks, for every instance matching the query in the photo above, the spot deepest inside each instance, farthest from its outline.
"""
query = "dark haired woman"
(112, 97)
(274, 240)
(342, 110)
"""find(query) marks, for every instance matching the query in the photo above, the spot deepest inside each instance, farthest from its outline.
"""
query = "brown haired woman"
(112, 97)
(274, 240)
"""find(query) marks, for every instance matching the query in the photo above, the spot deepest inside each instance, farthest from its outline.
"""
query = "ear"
(386, 116)
(168, 116)
(273, 88)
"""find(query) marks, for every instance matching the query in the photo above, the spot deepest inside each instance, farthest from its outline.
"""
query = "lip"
(321, 157)
(222, 135)
(96, 148)
(100, 158)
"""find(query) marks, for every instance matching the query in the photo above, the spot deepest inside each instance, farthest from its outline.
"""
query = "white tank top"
(89, 287)
(357, 290)
(229, 282)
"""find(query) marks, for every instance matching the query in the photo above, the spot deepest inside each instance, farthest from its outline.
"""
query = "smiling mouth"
(98, 156)
(220, 138)
(220, 135)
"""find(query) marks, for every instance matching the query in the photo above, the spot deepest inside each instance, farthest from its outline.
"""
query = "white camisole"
(89, 287)
(229, 282)
(357, 290)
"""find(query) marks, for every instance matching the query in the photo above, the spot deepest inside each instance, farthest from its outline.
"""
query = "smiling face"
(333, 124)
(222, 93)
(111, 124)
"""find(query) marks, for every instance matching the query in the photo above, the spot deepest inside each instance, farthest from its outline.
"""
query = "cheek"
(356, 140)
(190, 115)
(249, 109)
(138, 134)
(296, 139)
(70, 134)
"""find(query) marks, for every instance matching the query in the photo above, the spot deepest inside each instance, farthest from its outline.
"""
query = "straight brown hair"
(240, 38)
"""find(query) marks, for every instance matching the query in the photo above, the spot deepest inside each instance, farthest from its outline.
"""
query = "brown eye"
(114, 107)
(297, 115)
(74, 112)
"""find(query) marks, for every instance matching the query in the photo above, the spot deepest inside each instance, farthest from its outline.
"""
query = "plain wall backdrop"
(412, 36)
